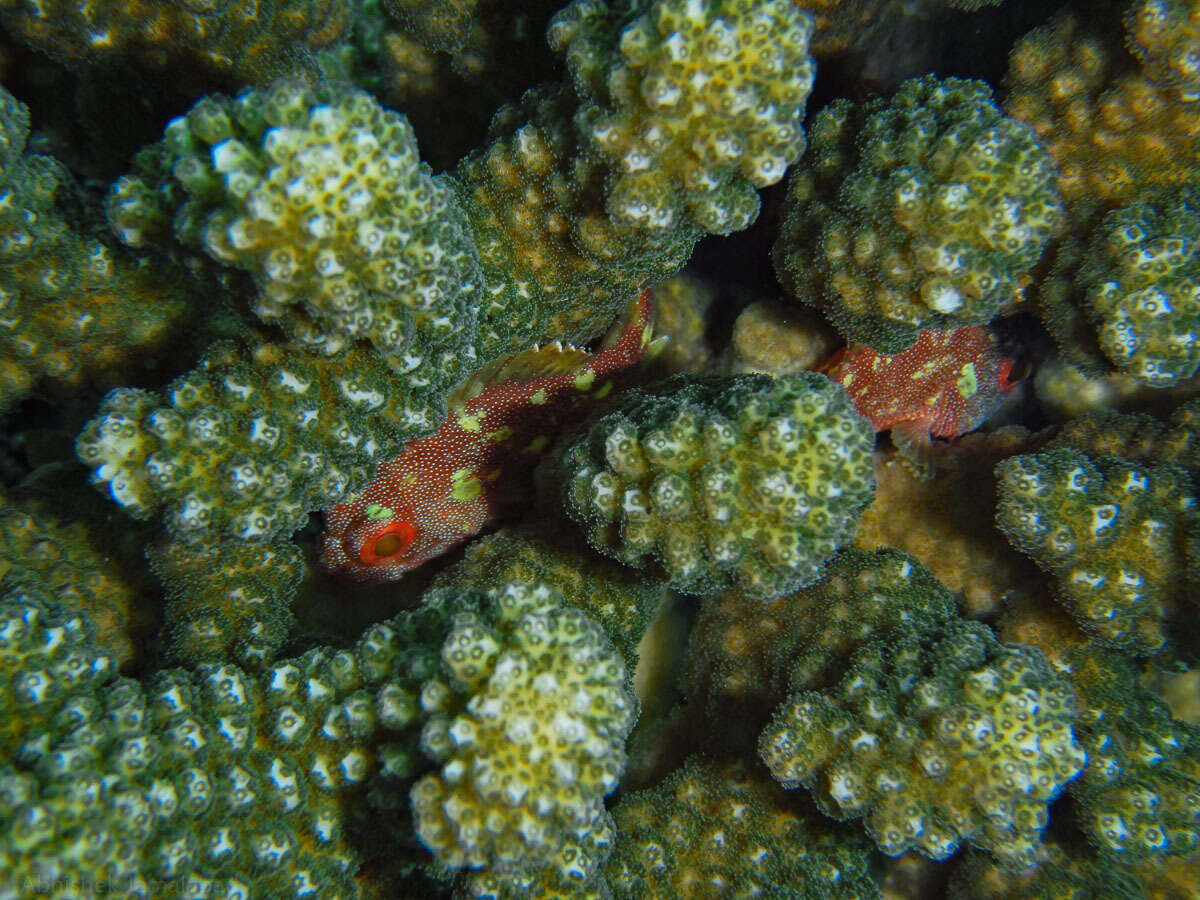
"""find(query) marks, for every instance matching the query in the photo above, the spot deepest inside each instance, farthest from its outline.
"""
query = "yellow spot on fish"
(500, 435)
(537, 445)
(471, 422)
(967, 384)
(538, 397)
(847, 380)
(603, 392)
(647, 332)
(375, 511)
(926, 370)
(584, 379)
(464, 486)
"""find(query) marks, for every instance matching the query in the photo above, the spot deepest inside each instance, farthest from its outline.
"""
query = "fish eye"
(392, 540)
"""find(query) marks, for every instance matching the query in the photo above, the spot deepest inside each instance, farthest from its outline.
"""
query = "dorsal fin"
(527, 365)
(553, 359)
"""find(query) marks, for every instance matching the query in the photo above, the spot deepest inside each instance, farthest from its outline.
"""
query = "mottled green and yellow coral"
(936, 736)
(526, 722)
(229, 600)
(744, 654)
(925, 210)
(182, 784)
(224, 783)
(1139, 796)
(521, 196)
(1165, 36)
(320, 194)
(1107, 529)
(1111, 133)
(677, 65)
(746, 480)
(39, 549)
(249, 443)
(581, 193)
(619, 599)
(725, 830)
(860, 598)
(1138, 283)
(72, 307)
(250, 42)
(1136, 805)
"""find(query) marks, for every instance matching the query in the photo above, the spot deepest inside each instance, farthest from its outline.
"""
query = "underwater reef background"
(637, 449)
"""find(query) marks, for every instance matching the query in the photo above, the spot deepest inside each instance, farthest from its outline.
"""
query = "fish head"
(996, 381)
(372, 544)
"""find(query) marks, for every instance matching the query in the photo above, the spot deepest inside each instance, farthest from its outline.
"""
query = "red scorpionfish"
(444, 489)
(944, 385)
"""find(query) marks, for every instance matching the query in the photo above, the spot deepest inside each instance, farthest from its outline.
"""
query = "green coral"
(619, 599)
(527, 719)
(249, 443)
(861, 597)
(319, 193)
(582, 194)
(1165, 36)
(724, 830)
(72, 307)
(1065, 872)
(744, 655)
(1136, 293)
(1139, 796)
(923, 210)
(178, 785)
(934, 737)
(676, 66)
(229, 600)
(746, 480)
(1136, 804)
(1108, 530)
(224, 783)
(38, 548)
(250, 42)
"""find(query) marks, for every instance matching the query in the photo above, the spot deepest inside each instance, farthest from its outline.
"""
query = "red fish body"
(443, 489)
(946, 384)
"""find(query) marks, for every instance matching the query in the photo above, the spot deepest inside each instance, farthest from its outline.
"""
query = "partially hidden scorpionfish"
(443, 489)
(944, 385)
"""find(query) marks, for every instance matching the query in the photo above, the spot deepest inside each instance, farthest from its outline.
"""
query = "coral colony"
(639, 449)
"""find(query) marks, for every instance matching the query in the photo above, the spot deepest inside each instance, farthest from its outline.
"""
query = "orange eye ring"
(392, 540)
